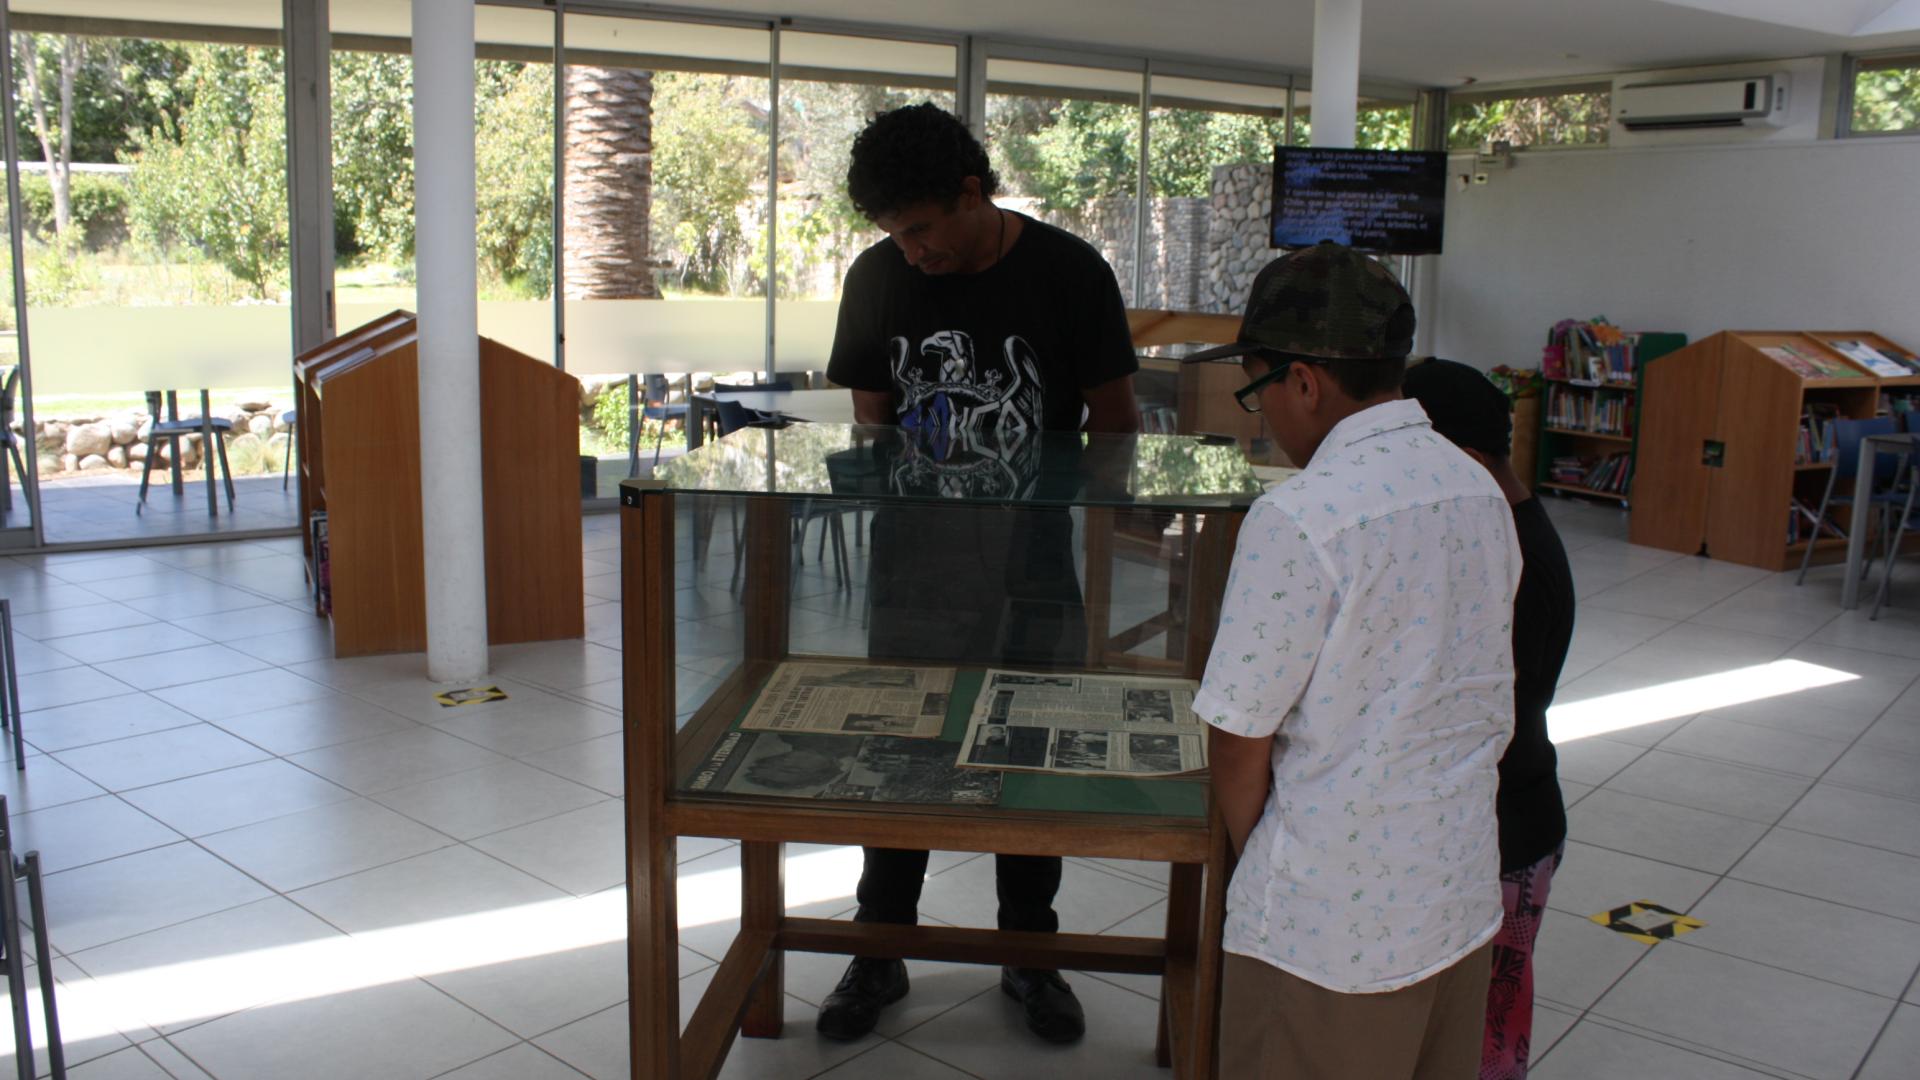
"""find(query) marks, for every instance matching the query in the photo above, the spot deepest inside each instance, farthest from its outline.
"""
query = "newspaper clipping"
(872, 768)
(854, 700)
(1082, 725)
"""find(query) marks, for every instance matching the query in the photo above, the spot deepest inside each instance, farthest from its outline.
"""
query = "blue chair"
(653, 406)
(9, 395)
(1847, 435)
(1909, 518)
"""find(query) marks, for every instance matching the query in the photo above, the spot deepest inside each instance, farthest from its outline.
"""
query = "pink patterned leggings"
(1523, 892)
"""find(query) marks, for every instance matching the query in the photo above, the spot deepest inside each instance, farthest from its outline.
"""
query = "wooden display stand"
(359, 432)
(1720, 424)
(746, 993)
(1203, 393)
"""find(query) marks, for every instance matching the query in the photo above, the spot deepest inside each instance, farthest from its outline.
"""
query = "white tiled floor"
(268, 864)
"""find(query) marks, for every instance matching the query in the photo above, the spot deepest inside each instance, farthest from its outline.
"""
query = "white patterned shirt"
(1367, 624)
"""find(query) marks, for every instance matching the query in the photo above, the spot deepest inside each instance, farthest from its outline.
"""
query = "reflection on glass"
(15, 505)
(153, 179)
(1066, 143)
(1045, 468)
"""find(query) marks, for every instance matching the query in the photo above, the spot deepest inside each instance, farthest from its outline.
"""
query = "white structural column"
(1336, 71)
(450, 488)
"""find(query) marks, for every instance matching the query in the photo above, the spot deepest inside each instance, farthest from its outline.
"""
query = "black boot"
(854, 1006)
(1053, 1013)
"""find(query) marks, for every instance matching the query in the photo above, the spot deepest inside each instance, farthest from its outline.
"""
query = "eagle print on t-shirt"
(948, 390)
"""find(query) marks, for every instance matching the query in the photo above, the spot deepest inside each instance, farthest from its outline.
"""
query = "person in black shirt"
(975, 328)
(1474, 414)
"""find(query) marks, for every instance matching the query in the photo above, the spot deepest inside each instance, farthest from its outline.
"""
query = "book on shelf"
(1817, 434)
(1804, 524)
(1580, 409)
(1809, 364)
(322, 561)
(1607, 474)
(1889, 364)
(1899, 402)
(1593, 353)
(1158, 419)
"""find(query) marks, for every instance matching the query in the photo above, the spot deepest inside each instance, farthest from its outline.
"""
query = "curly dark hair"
(914, 154)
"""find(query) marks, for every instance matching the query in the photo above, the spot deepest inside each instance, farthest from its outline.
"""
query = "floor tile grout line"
(1711, 1053)
(1703, 947)
(1886, 1024)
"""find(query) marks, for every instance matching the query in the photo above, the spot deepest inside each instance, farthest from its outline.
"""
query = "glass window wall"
(153, 183)
(1066, 143)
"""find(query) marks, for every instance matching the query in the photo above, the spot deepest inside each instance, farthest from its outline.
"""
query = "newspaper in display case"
(847, 699)
(1080, 725)
(870, 768)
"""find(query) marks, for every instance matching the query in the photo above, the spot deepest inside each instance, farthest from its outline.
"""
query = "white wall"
(1817, 235)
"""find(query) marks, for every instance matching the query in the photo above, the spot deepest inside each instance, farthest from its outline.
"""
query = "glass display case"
(978, 641)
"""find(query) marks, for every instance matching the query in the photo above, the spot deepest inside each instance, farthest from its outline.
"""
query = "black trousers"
(891, 878)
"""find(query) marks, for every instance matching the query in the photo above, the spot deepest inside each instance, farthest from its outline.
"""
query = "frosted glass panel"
(96, 349)
(612, 337)
(867, 55)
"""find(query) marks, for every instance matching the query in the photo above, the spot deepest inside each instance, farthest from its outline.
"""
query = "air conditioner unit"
(1758, 100)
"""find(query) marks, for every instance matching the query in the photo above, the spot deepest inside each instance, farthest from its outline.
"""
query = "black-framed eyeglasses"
(1277, 364)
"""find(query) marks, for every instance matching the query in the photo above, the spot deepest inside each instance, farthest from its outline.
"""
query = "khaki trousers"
(1274, 1025)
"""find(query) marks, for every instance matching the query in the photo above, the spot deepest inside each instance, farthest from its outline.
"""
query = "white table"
(1870, 447)
(820, 406)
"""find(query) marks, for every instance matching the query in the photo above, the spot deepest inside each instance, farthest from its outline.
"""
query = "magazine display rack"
(360, 469)
(1734, 443)
(997, 672)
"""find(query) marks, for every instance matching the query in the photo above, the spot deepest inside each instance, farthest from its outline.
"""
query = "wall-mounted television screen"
(1384, 202)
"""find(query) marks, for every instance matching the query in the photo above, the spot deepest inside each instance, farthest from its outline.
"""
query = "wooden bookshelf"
(360, 464)
(1718, 454)
(1561, 439)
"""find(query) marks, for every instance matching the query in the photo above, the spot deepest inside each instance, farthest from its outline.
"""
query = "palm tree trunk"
(608, 188)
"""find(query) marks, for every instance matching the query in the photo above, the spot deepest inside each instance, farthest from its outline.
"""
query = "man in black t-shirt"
(976, 328)
(1474, 415)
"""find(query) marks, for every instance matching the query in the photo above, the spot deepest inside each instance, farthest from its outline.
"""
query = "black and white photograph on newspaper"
(1081, 725)
(853, 699)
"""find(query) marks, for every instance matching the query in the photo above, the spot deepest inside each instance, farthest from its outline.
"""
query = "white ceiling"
(1420, 42)
(1423, 42)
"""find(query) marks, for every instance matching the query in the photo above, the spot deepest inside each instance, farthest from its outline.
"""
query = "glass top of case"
(1175, 472)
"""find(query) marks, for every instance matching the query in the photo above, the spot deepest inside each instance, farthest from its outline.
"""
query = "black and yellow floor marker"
(1647, 922)
(471, 696)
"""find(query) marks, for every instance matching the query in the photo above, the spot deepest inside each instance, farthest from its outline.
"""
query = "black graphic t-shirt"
(992, 353)
(979, 365)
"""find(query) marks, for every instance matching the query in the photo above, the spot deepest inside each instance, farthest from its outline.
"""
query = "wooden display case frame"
(746, 993)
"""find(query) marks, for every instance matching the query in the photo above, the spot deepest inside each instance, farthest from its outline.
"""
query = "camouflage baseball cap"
(1327, 301)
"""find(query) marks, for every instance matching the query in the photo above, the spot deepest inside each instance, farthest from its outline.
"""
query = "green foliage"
(513, 149)
(61, 273)
(373, 155)
(99, 204)
(1385, 128)
(1887, 99)
(1576, 119)
(709, 161)
(122, 86)
(217, 178)
(1186, 145)
(610, 415)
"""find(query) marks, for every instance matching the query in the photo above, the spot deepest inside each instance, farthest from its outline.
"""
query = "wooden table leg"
(653, 924)
(763, 903)
(1178, 997)
(1213, 916)
(1099, 592)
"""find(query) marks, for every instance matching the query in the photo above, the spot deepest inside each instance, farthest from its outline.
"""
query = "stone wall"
(1202, 254)
(1237, 235)
(1176, 235)
(86, 444)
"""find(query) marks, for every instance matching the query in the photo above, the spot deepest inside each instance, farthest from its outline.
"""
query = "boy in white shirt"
(1360, 691)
